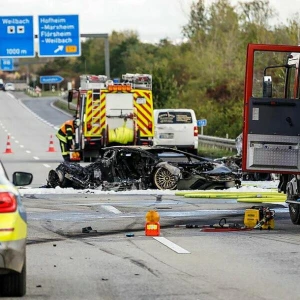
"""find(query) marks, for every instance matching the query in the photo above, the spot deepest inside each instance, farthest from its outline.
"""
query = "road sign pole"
(27, 75)
(107, 71)
(202, 130)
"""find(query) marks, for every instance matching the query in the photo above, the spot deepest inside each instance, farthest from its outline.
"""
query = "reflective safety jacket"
(66, 132)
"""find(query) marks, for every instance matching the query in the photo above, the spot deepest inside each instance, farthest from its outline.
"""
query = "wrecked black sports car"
(234, 163)
(125, 168)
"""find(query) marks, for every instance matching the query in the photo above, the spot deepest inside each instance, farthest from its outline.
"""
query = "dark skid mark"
(30, 196)
(141, 265)
(42, 241)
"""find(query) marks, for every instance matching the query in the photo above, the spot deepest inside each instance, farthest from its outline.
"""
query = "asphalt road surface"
(115, 259)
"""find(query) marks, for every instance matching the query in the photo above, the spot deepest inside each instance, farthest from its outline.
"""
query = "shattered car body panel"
(124, 168)
(234, 163)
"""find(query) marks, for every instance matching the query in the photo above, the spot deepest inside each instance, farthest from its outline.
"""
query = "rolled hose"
(121, 135)
(258, 196)
(183, 193)
(262, 200)
(238, 197)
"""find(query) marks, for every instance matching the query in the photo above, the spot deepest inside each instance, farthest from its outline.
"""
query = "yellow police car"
(13, 234)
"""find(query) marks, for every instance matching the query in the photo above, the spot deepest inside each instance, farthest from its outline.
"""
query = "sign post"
(16, 36)
(201, 123)
(59, 36)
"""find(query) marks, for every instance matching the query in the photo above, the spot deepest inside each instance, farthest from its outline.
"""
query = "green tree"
(205, 73)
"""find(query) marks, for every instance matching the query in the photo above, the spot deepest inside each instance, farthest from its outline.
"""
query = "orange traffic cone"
(51, 145)
(8, 148)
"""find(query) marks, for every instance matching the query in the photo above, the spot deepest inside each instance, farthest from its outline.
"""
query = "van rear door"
(174, 128)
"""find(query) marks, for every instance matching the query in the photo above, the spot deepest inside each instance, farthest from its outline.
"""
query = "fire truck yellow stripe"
(144, 112)
(102, 110)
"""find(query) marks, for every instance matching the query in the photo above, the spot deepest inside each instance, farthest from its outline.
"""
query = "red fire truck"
(271, 132)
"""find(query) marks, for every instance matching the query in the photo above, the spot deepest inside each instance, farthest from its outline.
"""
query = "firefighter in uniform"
(66, 136)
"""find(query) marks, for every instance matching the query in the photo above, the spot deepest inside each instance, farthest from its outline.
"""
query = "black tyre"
(53, 179)
(294, 210)
(13, 284)
(164, 180)
(63, 181)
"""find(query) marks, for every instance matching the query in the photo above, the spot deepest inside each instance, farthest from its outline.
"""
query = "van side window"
(174, 118)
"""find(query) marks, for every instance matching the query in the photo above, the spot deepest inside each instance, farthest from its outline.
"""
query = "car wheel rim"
(164, 180)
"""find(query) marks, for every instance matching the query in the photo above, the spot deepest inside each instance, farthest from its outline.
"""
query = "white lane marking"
(17, 142)
(12, 137)
(27, 151)
(21, 146)
(10, 95)
(38, 117)
(35, 157)
(47, 166)
(171, 245)
(111, 209)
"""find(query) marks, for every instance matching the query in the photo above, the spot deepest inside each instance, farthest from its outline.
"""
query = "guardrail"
(33, 92)
(216, 142)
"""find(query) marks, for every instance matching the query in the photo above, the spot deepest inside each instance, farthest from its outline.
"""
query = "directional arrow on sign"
(59, 48)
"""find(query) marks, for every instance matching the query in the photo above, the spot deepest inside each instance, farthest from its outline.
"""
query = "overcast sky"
(152, 19)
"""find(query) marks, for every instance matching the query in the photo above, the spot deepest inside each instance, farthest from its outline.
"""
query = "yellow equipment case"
(259, 217)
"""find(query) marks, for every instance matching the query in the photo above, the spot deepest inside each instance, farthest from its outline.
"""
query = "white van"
(176, 128)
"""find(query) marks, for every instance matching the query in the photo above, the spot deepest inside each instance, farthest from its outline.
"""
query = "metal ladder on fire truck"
(95, 83)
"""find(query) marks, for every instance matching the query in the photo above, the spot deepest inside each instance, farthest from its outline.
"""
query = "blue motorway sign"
(51, 79)
(59, 36)
(201, 123)
(16, 36)
(7, 64)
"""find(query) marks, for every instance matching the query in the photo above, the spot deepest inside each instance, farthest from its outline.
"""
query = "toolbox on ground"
(259, 217)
